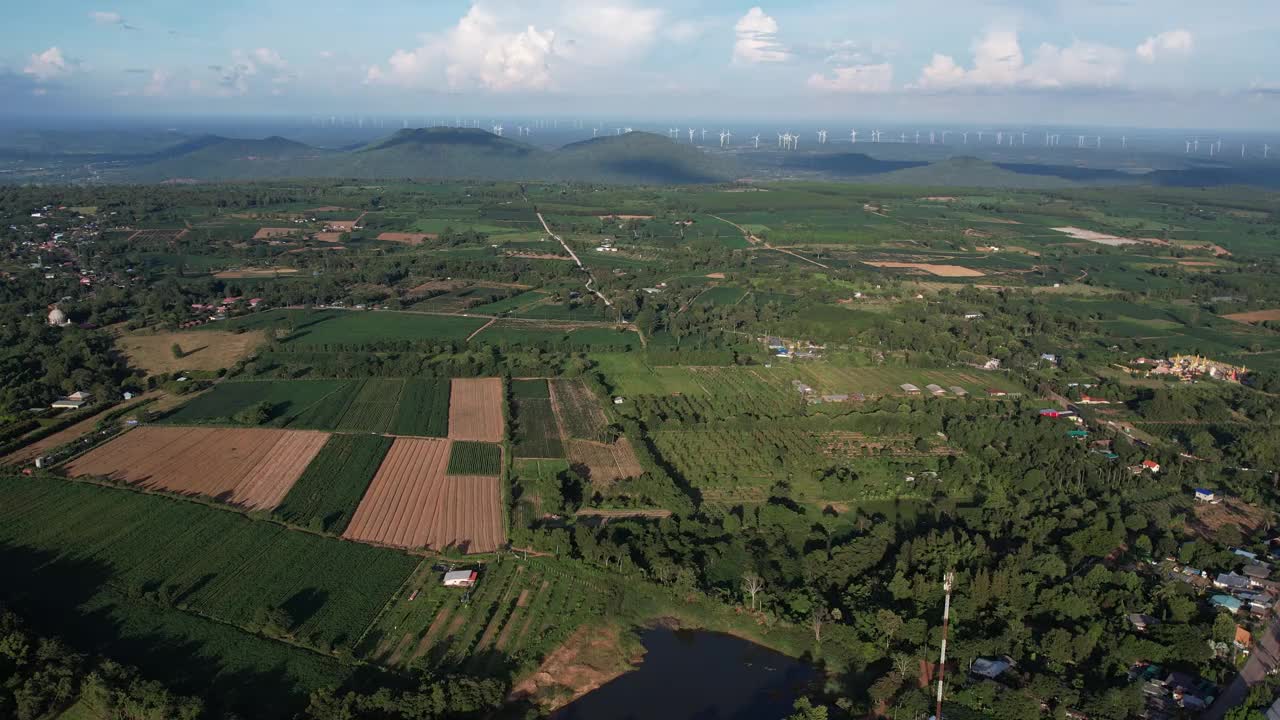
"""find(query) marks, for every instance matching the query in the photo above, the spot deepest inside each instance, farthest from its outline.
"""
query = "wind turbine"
(1099, 142)
(673, 132)
(902, 138)
(966, 137)
(875, 136)
(1188, 150)
(795, 142)
(980, 133)
(822, 137)
(756, 139)
(1266, 150)
(595, 132)
(1024, 138)
(945, 133)
(1124, 142)
(853, 137)
(704, 134)
(999, 137)
(931, 137)
(917, 137)
(497, 130)
(691, 131)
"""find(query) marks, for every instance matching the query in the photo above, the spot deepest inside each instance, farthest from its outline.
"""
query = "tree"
(806, 710)
(821, 616)
(256, 414)
(752, 584)
(176, 349)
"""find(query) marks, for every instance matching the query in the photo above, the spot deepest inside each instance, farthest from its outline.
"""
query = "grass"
(374, 407)
(535, 389)
(424, 409)
(353, 329)
(201, 350)
(326, 495)
(534, 424)
(475, 458)
(288, 400)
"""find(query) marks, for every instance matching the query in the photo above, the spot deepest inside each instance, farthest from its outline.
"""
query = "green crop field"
(326, 495)
(536, 432)
(374, 407)
(424, 408)
(355, 329)
(580, 410)
(475, 458)
(519, 609)
(534, 389)
(551, 335)
(288, 400)
(208, 561)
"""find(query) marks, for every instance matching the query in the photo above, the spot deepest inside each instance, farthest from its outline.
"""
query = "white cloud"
(268, 58)
(603, 35)
(1173, 42)
(855, 79)
(683, 31)
(998, 62)
(477, 53)
(47, 65)
(757, 41)
(106, 18)
(158, 85)
(326, 54)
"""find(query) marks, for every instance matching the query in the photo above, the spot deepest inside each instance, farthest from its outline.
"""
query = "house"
(1243, 638)
(1247, 555)
(1086, 400)
(909, 389)
(935, 388)
(1257, 571)
(972, 316)
(1050, 413)
(1141, 622)
(990, 669)
(958, 391)
(74, 401)
(460, 578)
(1206, 495)
(996, 392)
(1151, 466)
(1273, 712)
(1231, 581)
(1050, 358)
(1226, 602)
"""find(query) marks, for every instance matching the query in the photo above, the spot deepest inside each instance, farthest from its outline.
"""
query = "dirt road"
(590, 280)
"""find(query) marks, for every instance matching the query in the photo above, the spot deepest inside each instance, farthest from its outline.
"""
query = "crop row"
(217, 563)
(327, 493)
(424, 409)
(475, 458)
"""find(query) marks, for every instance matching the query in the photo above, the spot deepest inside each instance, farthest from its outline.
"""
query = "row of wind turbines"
(789, 140)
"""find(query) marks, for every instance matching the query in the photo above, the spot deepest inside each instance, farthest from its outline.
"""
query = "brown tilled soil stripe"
(400, 649)
(410, 453)
(429, 638)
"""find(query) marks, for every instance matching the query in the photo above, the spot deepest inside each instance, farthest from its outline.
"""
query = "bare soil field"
(437, 285)
(204, 350)
(939, 198)
(254, 273)
(157, 235)
(475, 409)
(577, 409)
(590, 658)
(411, 503)
(606, 462)
(625, 217)
(931, 268)
(1105, 239)
(327, 237)
(406, 237)
(250, 468)
(1254, 316)
(537, 256)
(1210, 518)
(715, 275)
(268, 233)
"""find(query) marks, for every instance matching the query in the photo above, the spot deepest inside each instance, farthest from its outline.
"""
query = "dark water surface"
(698, 674)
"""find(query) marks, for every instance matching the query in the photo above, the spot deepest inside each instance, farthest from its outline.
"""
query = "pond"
(698, 674)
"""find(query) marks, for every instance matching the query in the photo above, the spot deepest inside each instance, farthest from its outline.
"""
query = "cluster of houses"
(606, 246)
(794, 349)
(1171, 694)
(813, 398)
(1188, 368)
(934, 389)
(210, 312)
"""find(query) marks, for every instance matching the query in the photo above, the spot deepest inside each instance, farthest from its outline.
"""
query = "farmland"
(533, 421)
(287, 400)
(355, 329)
(424, 409)
(250, 468)
(578, 410)
(204, 561)
(605, 462)
(372, 408)
(326, 495)
(411, 503)
(520, 609)
(475, 409)
(475, 458)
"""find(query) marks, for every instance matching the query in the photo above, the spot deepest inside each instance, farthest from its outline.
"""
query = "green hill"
(969, 172)
(438, 153)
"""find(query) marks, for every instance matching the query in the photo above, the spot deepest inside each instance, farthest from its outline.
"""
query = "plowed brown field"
(475, 409)
(607, 462)
(250, 468)
(411, 503)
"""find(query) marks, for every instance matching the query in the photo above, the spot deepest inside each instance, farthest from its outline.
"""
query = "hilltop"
(437, 153)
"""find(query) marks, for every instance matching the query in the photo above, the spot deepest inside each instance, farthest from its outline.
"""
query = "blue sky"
(1159, 63)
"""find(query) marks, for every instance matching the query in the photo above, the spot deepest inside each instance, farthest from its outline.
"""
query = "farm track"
(757, 241)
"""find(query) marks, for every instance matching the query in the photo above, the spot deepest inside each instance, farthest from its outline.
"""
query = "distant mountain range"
(634, 158)
(473, 154)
